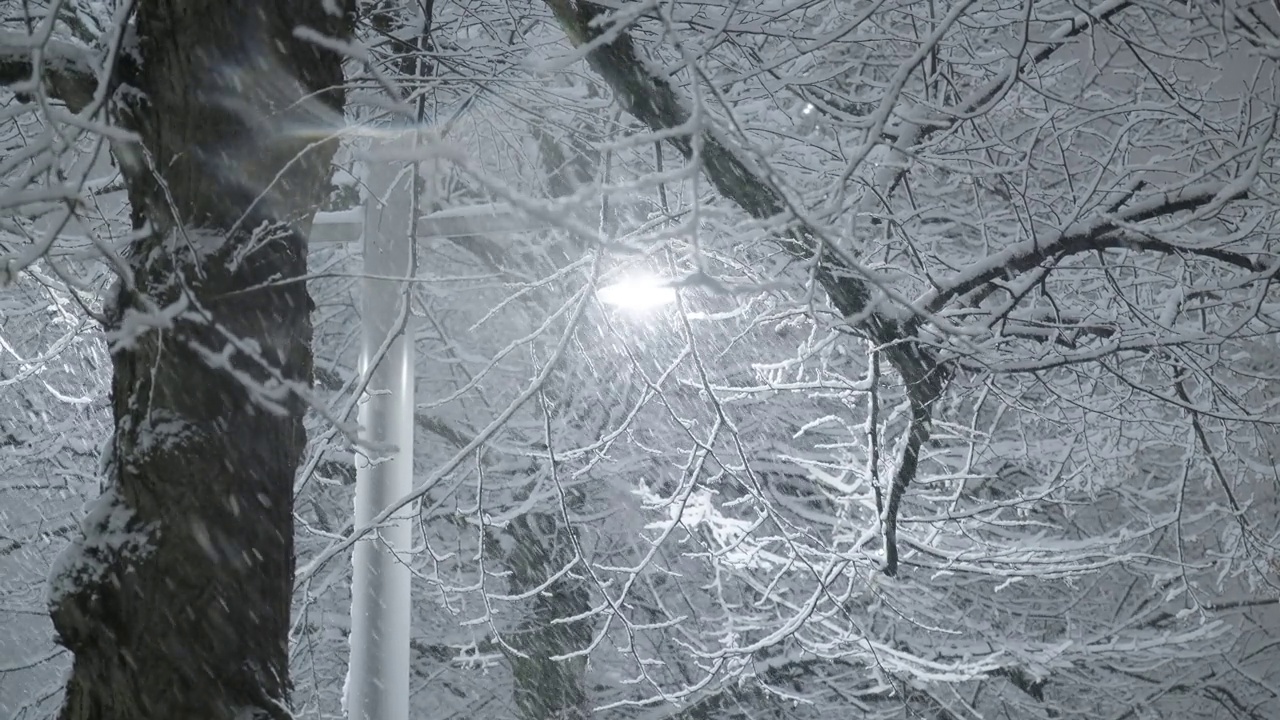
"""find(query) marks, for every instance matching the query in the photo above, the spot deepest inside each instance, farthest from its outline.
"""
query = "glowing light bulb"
(638, 293)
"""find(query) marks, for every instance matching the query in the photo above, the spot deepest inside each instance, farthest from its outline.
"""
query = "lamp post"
(378, 672)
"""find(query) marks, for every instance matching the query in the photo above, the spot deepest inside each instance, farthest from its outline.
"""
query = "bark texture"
(190, 618)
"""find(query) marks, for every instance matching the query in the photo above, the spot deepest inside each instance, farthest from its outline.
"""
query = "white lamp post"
(378, 671)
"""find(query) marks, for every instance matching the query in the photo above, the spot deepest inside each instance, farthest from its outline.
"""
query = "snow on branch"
(1100, 233)
(65, 69)
(655, 102)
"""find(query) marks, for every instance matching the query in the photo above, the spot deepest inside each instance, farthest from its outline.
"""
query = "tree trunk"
(176, 600)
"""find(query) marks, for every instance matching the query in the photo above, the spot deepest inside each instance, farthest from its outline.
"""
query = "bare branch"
(1100, 234)
(65, 69)
(654, 101)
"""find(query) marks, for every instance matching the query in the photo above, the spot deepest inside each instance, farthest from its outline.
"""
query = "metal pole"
(378, 673)
(340, 226)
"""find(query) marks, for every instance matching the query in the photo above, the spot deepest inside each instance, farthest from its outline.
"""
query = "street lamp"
(638, 293)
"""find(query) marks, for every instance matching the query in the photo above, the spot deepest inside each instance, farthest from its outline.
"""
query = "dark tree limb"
(1033, 687)
(1103, 234)
(656, 103)
(67, 71)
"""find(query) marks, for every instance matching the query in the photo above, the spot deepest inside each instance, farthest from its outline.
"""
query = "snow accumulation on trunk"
(109, 532)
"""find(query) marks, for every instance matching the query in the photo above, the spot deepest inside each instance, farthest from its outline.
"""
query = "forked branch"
(1103, 233)
(655, 102)
(64, 69)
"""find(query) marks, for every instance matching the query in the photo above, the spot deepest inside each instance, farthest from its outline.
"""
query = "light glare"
(638, 293)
